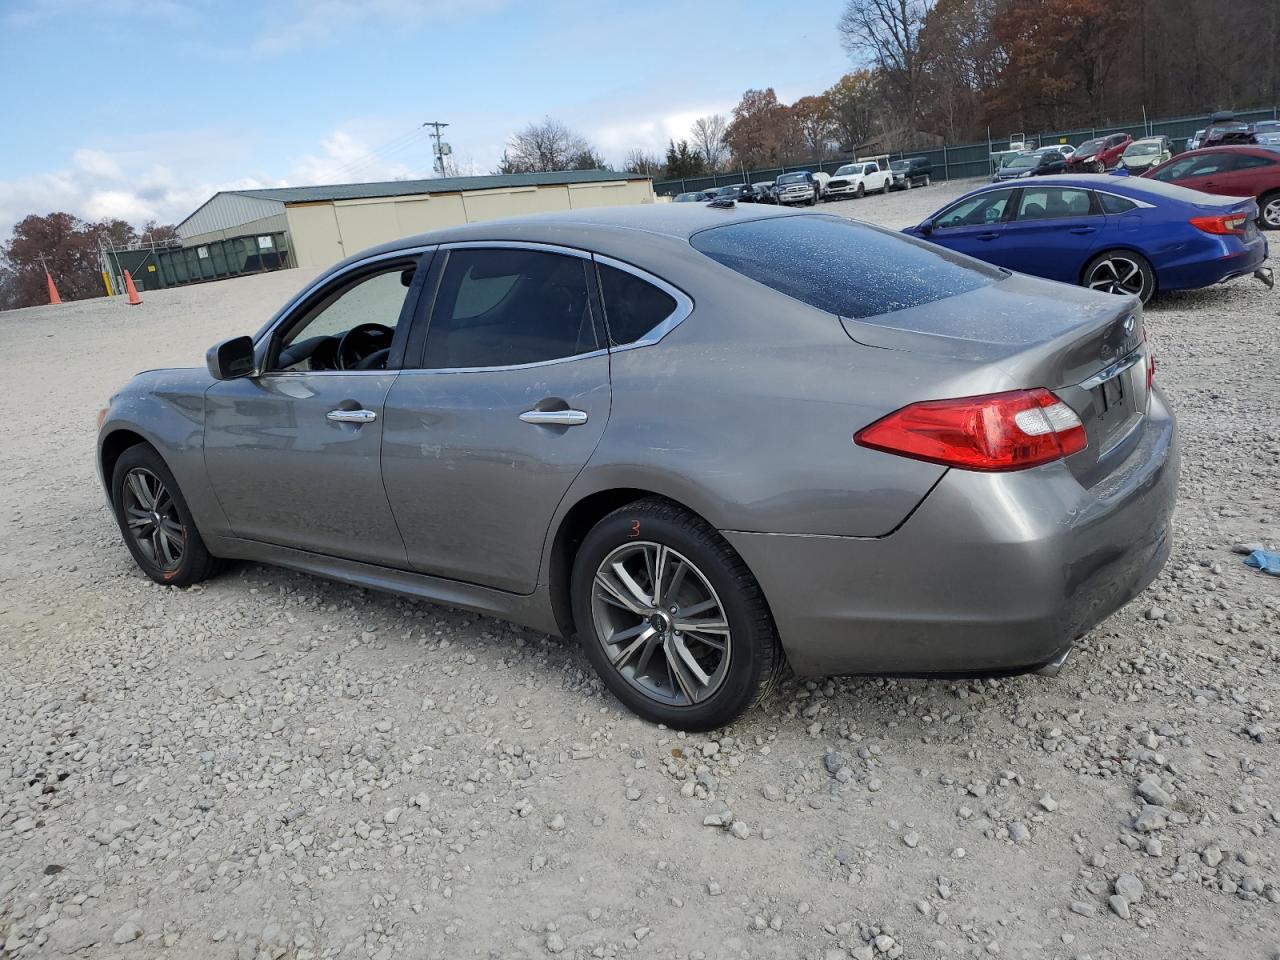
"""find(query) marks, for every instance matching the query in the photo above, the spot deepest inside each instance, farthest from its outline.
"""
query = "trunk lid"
(1086, 347)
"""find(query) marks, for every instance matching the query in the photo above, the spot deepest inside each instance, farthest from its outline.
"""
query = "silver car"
(705, 442)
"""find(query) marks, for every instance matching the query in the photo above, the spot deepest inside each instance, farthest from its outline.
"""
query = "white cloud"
(303, 23)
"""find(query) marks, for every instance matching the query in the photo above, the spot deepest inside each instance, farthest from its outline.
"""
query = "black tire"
(884, 191)
(1269, 210)
(1096, 275)
(927, 181)
(194, 563)
(753, 654)
(862, 192)
(813, 201)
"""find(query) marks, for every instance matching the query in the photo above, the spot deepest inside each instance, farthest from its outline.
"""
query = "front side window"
(1053, 203)
(503, 307)
(349, 328)
(632, 306)
(977, 211)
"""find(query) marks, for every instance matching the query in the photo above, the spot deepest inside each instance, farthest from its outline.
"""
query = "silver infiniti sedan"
(705, 442)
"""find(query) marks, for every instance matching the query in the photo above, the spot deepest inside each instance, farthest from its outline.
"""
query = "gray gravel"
(271, 765)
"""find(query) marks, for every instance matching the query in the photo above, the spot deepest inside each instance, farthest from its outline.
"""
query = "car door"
(1054, 231)
(1247, 176)
(1205, 172)
(876, 177)
(975, 225)
(292, 453)
(498, 412)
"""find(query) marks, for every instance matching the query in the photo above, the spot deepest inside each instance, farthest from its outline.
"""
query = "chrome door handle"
(351, 416)
(555, 418)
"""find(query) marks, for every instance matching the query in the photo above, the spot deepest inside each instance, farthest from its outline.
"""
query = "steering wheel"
(360, 342)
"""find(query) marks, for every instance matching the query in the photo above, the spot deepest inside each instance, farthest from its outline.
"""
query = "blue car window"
(1113, 204)
(1053, 203)
(975, 211)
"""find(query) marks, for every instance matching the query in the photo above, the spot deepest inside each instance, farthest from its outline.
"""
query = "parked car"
(740, 192)
(911, 172)
(858, 179)
(765, 192)
(823, 179)
(1145, 153)
(694, 196)
(1032, 165)
(1231, 172)
(1065, 149)
(1193, 143)
(1100, 154)
(798, 187)
(1267, 134)
(1127, 235)
(482, 437)
(1224, 134)
(1001, 158)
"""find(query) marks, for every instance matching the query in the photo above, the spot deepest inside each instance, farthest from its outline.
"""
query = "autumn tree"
(815, 122)
(70, 249)
(762, 132)
(546, 147)
(854, 104)
(684, 161)
(708, 135)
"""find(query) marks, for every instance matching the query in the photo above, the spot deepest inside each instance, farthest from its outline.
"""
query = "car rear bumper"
(1229, 258)
(991, 573)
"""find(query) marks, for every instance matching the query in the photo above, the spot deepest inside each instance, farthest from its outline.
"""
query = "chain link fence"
(962, 161)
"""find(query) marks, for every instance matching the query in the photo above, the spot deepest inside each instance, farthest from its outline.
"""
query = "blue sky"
(140, 110)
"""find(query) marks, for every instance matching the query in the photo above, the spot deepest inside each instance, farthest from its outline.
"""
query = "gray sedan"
(705, 442)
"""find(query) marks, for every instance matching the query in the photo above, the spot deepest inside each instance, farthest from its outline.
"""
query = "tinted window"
(632, 306)
(1113, 204)
(1200, 166)
(497, 308)
(1246, 161)
(1053, 203)
(845, 268)
(975, 211)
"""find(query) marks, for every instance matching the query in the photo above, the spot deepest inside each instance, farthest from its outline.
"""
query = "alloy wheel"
(1116, 275)
(660, 623)
(1271, 214)
(152, 519)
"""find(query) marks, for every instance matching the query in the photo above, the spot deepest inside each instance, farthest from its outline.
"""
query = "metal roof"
(401, 188)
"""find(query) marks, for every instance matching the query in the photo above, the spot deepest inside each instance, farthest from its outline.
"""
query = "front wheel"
(671, 618)
(1122, 272)
(1269, 210)
(155, 521)
(927, 181)
(862, 192)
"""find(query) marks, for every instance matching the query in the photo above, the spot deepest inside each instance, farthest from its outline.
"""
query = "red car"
(1099, 154)
(1231, 172)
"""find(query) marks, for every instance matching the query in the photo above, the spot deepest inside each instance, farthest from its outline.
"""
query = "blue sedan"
(1123, 235)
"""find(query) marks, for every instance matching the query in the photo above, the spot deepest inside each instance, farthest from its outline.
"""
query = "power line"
(377, 153)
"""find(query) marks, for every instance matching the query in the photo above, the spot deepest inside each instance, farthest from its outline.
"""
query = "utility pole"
(442, 149)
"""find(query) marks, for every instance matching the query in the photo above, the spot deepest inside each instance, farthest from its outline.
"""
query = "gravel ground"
(271, 765)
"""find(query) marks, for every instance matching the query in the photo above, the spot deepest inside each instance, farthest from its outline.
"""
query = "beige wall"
(324, 233)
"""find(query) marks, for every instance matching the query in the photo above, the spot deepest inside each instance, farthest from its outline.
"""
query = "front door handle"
(555, 418)
(351, 416)
(1083, 229)
(987, 236)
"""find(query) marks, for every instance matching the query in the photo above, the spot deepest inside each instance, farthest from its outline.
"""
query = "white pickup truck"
(859, 178)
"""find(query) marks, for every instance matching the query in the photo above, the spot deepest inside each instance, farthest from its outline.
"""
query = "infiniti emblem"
(1129, 324)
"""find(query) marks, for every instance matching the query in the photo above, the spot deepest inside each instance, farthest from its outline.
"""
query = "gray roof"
(401, 188)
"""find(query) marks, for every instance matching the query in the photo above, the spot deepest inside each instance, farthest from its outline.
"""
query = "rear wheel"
(1122, 272)
(1269, 210)
(155, 522)
(671, 618)
(884, 191)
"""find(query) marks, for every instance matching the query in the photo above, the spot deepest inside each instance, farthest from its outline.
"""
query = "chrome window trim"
(684, 304)
(291, 307)
(509, 245)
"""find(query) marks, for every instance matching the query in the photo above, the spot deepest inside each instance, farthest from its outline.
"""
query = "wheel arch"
(112, 447)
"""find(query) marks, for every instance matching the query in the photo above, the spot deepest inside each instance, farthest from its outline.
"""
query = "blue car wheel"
(1120, 271)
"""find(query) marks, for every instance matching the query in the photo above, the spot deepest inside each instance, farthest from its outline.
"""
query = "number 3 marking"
(635, 528)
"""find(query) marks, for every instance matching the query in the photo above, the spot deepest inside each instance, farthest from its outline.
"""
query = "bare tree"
(548, 146)
(708, 139)
(641, 161)
(886, 33)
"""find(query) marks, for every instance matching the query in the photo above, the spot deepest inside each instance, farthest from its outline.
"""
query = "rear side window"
(632, 306)
(1113, 204)
(846, 268)
(502, 307)
(1246, 161)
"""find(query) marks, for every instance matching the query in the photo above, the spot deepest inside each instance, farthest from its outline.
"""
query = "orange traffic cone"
(134, 299)
(53, 291)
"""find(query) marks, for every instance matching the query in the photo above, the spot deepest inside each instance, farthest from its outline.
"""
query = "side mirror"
(231, 359)
(926, 227)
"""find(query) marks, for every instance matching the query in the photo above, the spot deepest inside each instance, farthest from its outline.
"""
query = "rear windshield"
(846, 268)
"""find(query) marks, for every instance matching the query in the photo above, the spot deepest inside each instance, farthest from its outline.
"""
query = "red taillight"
(1000, 431)
(1227, 223)
(1151, 361)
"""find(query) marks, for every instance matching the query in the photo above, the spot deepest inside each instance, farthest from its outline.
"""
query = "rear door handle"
(555, 418)
(351, 416)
